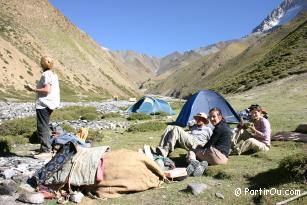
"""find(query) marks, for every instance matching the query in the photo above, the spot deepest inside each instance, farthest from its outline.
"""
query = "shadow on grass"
(266, 180)
(270, 178)
(180, 161)
(292, 168)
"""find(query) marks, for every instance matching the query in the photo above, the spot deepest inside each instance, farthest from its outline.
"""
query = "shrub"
(147, 127)
(124, 108)
(67, 128)
(110, 115)
(29, 72)
(139, 116)
(75, 113)
(89, 116)
(283, 75)
(177, 105)
(295, 166)
(24, 126)
(162, 114)
(6, 142)
(95, 136)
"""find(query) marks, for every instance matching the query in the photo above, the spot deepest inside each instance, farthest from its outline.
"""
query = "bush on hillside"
(67, 128)
(177, 105)
(124, 108)
(147, 127)
(95, 136)
(24, 126)
(162, 114)
(138, 116)
(89, 116)
(75, 113)
(110, 115)
(6, 142)
(295, 166)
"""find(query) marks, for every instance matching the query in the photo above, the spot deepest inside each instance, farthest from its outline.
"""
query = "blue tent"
(150, 105)
(203, 101)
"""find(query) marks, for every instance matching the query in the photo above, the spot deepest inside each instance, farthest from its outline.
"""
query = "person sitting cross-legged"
(257, 137)
(198, 136)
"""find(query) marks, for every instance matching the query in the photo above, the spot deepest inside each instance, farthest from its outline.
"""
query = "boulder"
(302, 128)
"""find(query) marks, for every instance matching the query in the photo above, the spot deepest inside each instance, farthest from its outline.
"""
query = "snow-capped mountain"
(286, 11)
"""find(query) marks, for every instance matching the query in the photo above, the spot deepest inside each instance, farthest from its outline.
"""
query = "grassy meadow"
(285, 101)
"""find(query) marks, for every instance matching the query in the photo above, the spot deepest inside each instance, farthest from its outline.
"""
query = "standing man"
(198, 136)
(47, 99)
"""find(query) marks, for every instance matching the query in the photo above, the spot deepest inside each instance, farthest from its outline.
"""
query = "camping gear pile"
(77, 168)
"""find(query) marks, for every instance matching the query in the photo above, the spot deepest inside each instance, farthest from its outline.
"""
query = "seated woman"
(258, 138)
(216, 150)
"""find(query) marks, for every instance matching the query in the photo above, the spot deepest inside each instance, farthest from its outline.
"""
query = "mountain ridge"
(83, 66)
(285, 12)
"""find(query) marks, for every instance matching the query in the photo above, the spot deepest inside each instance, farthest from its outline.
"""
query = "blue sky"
(159, 27)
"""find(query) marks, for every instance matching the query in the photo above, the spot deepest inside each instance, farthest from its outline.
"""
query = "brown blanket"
(127, 171)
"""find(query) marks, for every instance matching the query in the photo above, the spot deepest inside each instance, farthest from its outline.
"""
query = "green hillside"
(30, 29)
(287, 57)
(235, 68)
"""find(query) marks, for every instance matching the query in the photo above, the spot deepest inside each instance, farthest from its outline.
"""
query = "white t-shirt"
(51, 100)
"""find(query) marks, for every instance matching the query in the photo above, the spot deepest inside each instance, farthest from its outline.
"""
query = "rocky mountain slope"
(176, 60)
(30, 29)
(241, 65)
(285, 12)
(185, 79)
(140, 66)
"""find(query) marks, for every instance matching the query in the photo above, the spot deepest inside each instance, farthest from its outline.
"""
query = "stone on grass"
(8, 188)
(302, 128)
(77, 197)
(197, 188)
(219, 195)
(26, 187)
(31, 197)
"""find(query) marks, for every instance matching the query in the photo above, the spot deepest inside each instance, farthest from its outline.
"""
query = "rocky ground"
(16, 169)
(12, 110)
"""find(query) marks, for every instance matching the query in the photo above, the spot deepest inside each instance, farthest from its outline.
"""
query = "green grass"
(285, 102)
(147, 127)
(286, 58)
(111, 115)
(76, 113)
(24, 127)
(254, 171)
(18, 131)
(138, 116)
(260, 170)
